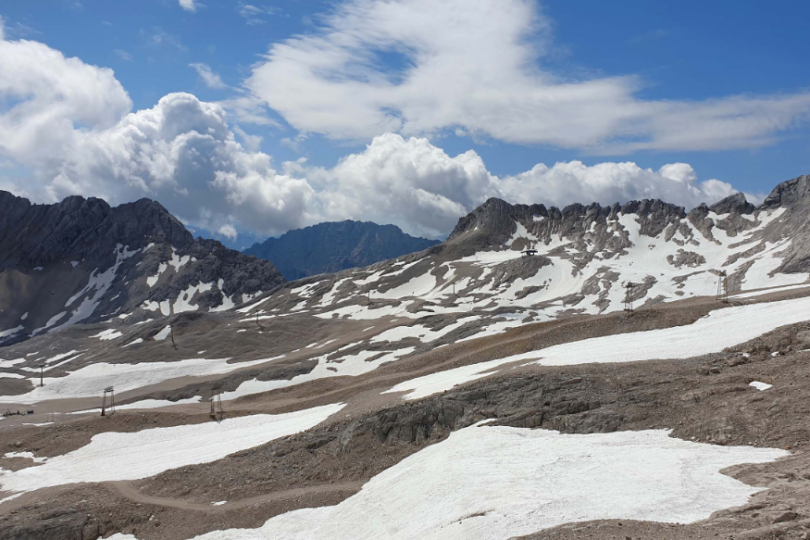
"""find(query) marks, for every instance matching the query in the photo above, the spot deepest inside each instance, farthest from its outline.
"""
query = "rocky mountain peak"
(81, 260)
(733, 204)
(789, 193)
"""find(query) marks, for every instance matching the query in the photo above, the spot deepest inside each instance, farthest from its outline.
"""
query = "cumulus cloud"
(48, 96)
(69, 124)
(419, 187)
(228, 231)
(477, 67)
(208, 76)
(183, 153)
(189, 5)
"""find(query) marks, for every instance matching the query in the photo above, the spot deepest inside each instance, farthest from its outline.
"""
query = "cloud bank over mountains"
(67, 127)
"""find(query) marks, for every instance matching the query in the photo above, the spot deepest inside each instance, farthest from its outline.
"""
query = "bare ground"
(703, 399)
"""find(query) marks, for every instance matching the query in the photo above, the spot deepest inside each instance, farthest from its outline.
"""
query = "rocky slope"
(81, 260)
(332, 247)
(589, 260)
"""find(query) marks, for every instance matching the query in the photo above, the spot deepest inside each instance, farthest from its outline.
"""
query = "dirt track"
(343, 489)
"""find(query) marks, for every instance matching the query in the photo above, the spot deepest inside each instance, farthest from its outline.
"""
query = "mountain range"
(589, 260)
(81, 260)
(589, 331)
(335, 246)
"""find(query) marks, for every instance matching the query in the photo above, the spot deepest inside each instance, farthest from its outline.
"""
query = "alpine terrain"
(636, 370)
(82, 261)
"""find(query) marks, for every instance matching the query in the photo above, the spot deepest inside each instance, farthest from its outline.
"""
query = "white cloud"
(49, 97)
(478, 67)
(188, 5)
(256, 15)
(228, 231)
(123, 55)
(68, 124)
(251, 142)
(183, 153)
(211, 79)
(407, 182)
(419, 187)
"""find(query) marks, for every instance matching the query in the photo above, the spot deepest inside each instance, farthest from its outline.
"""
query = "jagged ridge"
(81, 260)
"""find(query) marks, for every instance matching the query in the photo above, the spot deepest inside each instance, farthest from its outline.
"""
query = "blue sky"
(636, 71)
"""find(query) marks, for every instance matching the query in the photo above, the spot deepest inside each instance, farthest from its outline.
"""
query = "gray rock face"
(494, 224)
(81, 260)
(733, 204)
(788, 194)
(77, 228)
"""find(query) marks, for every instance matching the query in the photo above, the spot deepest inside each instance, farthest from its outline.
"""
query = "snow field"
(442, 381)
(26, 455)
(91, 380)
(423, 333)
(499, 482)
(352, 365)
(129, 456)
(146, 404)
(721, 328)
(98, 284)
(11, 331)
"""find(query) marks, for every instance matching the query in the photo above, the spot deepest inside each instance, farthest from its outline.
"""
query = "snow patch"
(130, 456)
(502, 482)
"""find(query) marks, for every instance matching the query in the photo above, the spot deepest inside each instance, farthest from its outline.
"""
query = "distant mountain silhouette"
(334, 246)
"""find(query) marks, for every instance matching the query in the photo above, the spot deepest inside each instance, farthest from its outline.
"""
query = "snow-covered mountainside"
(585, 258)
(82, 261)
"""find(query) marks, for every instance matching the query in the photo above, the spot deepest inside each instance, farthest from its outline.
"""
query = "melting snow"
(183, 302)
(26, 455)
(442, 381)
(90, 380)
(129, 456)
(163, 334)
(11, 331)
(721, 328)
(761, 386)
(107, 335)
(501, 482)
(352, 365)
